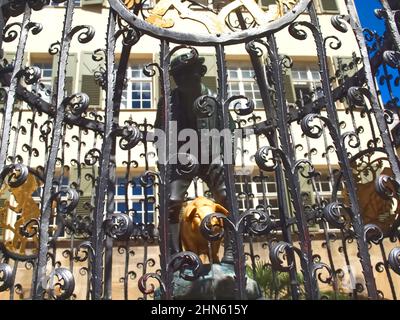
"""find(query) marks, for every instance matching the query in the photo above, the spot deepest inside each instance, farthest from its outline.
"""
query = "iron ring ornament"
(216, 24)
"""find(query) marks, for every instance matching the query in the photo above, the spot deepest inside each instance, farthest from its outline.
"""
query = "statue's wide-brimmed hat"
(184, 61)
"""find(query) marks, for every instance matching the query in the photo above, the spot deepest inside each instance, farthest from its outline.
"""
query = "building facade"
(135, 192)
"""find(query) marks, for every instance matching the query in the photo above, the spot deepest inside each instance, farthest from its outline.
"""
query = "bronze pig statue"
(190, 234)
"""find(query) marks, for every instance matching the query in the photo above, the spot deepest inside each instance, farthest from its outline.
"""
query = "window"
(141, 215)
(45, 84)
(256, 198)
(241, 82)
(77, 3)
(140, 211)
(328, 6)
(305, 80)
(139, 91)
(324, 184)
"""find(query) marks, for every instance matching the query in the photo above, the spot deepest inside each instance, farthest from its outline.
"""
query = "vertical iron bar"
(165, 173)
(9, 104)
(265, 91)
(378, 111)
(46, 202)
(119, 85)
(342, 155)
(238, 251)
(105, 163)
(390, 22)
(310, 282)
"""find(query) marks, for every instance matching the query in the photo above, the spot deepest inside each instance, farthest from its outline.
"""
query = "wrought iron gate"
(359, 217)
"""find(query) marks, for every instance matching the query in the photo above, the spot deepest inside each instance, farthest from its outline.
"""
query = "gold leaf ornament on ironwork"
(374, 209)
(215, 22)
(131, 3)
(23, 229)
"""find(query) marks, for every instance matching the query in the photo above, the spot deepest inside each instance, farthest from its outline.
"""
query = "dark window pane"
(136, 95)
(137, 206)
(150, 191)
(121, 206)
(329, 5)
(137, 188)
(146, 104)
(150, 217)
(120, 186)
(150, 207)
(137, 217)
(146, 95)
(271, 186)
(259, 187)
(136, 104)
(146, 85)
(136, 86)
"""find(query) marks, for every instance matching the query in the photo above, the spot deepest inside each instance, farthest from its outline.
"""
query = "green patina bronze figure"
(187, 71)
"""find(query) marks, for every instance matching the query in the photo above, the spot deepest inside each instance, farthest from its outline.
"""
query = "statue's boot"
(174, 246)
(228, 249)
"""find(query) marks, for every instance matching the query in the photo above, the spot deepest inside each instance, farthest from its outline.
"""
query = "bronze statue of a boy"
(187, 71)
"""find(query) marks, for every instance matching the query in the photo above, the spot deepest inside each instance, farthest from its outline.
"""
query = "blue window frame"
(136, 195)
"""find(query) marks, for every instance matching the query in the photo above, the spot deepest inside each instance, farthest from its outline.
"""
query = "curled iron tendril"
(258, 222)
(309, 129)
(142, 283)
(55, 48)
(31, 75)
(148, 179)
(65, 285)
(149, 70)
(278, 253)
(9, 34)
(92, 156)
(205, 106)
(130, 137)
(86, 33)
(6, 278)
(334, 42)
(394, 260)
(16, 173)
(34, 27)
(301, 166)
(262, 158)
(337, 215)
(118, 226)
(386, 186)
(67, 199)
(98, 55)
(338, 22)
(392, 58)
(372, 233)
(211, 226)
(355, 95)
(252, 47)
(186, 164)
(83, 251)
(239, 109)
(77, 104)
(183, 262)
(296, 32)
(353, 139)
